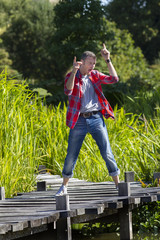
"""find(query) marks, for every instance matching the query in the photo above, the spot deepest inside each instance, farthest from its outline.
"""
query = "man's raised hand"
(76, 65)
(105, 53)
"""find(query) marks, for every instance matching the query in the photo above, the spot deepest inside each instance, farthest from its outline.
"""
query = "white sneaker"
(62, 190)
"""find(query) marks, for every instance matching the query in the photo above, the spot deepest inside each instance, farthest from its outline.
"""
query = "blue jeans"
(96, 127)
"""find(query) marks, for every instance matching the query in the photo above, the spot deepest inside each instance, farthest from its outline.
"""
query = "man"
(87, 106)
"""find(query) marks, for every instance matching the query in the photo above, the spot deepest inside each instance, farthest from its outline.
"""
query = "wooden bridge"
(40, 212)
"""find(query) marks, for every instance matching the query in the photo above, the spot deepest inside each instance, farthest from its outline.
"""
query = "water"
(116, 236)
(51, 234)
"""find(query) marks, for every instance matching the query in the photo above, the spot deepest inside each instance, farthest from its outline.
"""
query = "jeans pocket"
(97, 115)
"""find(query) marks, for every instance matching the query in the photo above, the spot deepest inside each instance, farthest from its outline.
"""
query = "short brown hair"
(88, 54)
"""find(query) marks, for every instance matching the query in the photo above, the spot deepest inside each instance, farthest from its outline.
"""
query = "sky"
(104, 2)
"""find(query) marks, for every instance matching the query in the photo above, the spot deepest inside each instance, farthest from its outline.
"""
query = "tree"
(28, 39)
(42, 46)
(128, 60)
(9, 9)
(6, 64)
(80, 26)
(77, 24)
(141, 18)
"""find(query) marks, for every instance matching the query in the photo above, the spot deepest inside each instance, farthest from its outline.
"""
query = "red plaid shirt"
(75, 95)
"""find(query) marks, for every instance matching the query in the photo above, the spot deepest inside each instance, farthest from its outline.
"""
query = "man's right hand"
(76, 65)
(71, 79)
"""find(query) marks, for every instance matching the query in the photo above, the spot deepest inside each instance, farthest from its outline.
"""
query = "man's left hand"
(105, 53)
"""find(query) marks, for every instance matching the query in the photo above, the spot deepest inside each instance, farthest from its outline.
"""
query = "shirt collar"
(79, 75)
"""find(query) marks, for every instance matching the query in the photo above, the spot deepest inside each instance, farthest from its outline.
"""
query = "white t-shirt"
(89, 100)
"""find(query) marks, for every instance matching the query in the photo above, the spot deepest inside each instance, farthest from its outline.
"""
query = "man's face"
(88, 65)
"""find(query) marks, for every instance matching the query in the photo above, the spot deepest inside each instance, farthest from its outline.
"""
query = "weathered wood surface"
(88, 201)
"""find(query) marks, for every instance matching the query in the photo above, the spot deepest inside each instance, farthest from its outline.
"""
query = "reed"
(135, 143)
(33, 134)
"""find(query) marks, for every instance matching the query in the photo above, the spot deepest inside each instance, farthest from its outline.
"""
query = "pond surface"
(116, 236)
(77, 236)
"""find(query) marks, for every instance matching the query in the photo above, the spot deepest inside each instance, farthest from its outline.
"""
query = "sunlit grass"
(33, 134)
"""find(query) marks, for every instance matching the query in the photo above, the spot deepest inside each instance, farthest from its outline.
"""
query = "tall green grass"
(17, 137)
(135, 143)
(33, 134)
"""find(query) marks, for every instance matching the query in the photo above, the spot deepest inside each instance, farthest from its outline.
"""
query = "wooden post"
(156, 175)
(126, 231)
(41, 186)
(129, 176)
(125, 213)
(42, 169)
(63, 224)
(2, 193)
(124, 189)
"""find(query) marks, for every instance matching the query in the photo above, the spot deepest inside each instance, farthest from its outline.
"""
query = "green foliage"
(9, 9)
(142, 20)
(72, 39)
(28, 134)
(42, 46)
(147, 218)
(6, 63)
(140, 153)
(77, 26)
(146, 103)
(17, 160)
(28, 39)
(91, 230)
(128, 59)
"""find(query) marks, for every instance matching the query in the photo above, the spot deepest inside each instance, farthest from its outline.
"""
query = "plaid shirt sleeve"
(66, 91)
(105, 79)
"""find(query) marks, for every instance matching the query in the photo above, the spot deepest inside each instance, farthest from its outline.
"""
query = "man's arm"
(106, 55)
(71, 79)
(111, 69)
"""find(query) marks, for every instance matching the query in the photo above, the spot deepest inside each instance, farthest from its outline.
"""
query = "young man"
(87, 106)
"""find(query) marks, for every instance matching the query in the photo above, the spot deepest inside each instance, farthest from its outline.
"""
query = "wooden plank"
(151, 198)
(19, 226)
(4, 228)
(67, 213)
(146, 190)
(90, 217)
(75, 191)
(29, 209)
(106, 219)
(88, 201)
(80, 211)
(15, 214)
(23, 218)
(24, 233)
(95, 209)
(115, 205)
(107, 203)
(36, 222)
